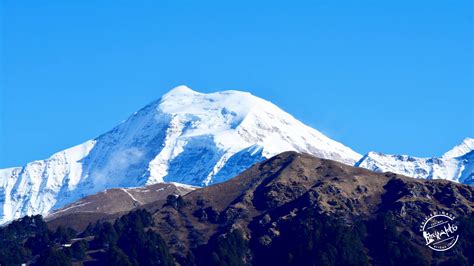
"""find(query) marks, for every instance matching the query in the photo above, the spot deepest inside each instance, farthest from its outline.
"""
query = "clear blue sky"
(391, 76)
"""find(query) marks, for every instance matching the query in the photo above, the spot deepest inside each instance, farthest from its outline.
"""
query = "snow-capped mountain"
(456, 165)
(185, 136)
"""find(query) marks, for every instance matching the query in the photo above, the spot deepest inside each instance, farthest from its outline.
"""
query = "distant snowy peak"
(464, 148)
(455, 165)
(185, 136)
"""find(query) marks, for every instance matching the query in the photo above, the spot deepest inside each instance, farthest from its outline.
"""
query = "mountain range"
(455, 165)
(196, 139)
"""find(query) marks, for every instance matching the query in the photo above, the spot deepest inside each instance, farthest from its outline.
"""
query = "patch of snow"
(71, 207)
(130, 194)
(183, 185)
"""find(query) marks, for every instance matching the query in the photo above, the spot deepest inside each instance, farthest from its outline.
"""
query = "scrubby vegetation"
(315, 239)
(12, 250)
(230, 249)
(388, 246)
(306, 239)
(128, 241)
(312, 239)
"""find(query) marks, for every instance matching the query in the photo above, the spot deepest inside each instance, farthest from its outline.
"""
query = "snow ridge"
(455, 165)
(465, 147)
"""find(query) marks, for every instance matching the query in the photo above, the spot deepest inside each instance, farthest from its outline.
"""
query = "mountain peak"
(180, 90)
(186, 136)
(206, 107)
(466, 146)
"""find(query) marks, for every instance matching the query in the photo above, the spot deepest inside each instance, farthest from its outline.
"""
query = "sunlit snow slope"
(185, 136)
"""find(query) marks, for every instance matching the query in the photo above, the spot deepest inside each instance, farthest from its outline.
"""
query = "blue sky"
(391, 76)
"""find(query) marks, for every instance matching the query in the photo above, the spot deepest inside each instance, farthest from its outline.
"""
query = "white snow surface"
(462, 149)
(455, 165)
(186, 137)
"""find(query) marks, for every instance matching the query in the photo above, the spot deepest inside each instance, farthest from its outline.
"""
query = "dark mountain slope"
(296, 209)
(293, 189)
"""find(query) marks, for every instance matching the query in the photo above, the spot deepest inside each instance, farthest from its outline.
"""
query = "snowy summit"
(185, 136)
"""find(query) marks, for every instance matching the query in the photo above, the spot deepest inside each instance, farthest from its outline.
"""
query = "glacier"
(185, 136)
